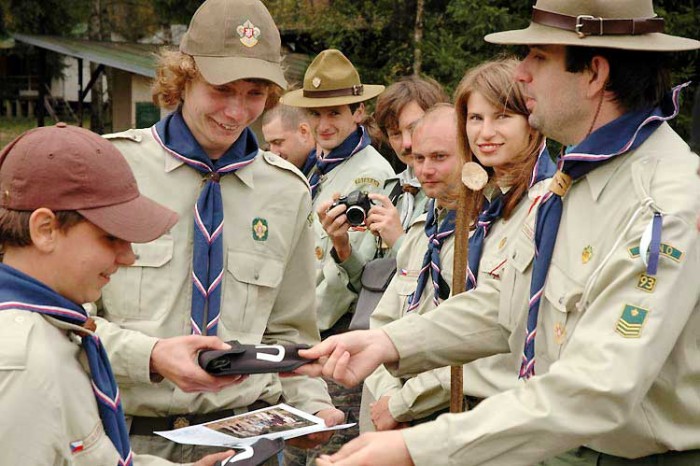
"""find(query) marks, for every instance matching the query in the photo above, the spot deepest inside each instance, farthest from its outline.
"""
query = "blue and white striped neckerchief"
(208, 256)
(618, 137)
(20, 291)
(492, 211)
(437, 235)
(353, 144)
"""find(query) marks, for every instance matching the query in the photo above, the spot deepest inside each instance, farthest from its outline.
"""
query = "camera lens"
(356, 215)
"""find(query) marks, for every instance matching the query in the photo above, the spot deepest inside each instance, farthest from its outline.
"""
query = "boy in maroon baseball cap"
(69, 210)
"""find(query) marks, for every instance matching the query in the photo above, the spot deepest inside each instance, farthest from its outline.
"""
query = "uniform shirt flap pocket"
(523, 252)
(561, 291)
(405, 285)
(154, 254)
(254, 269)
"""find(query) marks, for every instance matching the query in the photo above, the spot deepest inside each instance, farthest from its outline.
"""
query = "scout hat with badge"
(234, 39)
(617, 24)
(329, 81)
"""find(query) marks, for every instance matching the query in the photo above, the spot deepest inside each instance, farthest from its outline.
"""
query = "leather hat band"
(357, 89)
(586, 25)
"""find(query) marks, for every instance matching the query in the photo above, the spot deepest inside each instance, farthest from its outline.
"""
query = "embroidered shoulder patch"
(367, 180)
(630, 323)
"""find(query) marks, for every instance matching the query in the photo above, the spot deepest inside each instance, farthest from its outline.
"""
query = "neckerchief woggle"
(208, 255)
(618, 137)
(406, 200)
(437, 235)
(493, 209)
(358, 140)
(20, 291)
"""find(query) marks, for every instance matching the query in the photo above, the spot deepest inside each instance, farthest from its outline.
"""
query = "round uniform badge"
(502, 243)
(319, 252)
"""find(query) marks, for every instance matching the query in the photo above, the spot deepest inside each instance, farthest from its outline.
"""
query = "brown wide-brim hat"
(66, 168)
(234, 39)
(329, 81)
(616, 24)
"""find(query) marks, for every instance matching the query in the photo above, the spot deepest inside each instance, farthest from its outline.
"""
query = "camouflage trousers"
(583, 456)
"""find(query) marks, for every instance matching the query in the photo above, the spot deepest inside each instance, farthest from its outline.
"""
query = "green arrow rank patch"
(630, 323)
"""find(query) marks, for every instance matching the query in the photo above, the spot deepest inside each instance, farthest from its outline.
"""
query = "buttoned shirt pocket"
(405, 286)
(515, 281)
(250, 289)
(559, 312)
(139, 289)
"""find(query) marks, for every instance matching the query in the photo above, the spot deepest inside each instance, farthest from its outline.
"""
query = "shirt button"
(561, 300)
(256, 275)
(515, 254)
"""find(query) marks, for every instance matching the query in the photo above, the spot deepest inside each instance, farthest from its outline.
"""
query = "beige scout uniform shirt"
(46, 401)
(366, 171)
(618, 359)
(267, 290)
(429, 391)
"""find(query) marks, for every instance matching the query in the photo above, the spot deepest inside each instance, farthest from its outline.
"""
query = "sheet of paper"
(273, 422)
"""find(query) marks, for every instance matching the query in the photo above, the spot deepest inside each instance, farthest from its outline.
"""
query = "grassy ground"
(13, 127)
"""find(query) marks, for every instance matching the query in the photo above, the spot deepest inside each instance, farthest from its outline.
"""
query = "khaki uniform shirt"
(46, 402)
(365, 171)
(419, 396)
(267, 288)
(617, 354)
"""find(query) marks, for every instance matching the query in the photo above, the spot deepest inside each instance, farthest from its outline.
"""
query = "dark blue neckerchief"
(353, 144)
(492, 210)
(208, 256)
(309, 163)
(20, 291)
(618, 137)
(431, 261)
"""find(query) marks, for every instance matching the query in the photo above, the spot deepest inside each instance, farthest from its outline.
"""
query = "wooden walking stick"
(474, 178)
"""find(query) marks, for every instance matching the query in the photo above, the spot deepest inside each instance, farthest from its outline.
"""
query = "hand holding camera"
(357, 205)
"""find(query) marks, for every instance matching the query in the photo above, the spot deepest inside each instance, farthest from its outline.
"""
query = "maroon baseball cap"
(64, 167)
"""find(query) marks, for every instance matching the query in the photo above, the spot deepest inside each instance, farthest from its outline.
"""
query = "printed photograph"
(272, 420)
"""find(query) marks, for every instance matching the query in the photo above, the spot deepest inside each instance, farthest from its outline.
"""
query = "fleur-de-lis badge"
(249, 33)
(316, 81)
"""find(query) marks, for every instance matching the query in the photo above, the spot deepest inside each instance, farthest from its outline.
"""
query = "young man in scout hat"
(238, 265)
(286, 129)
(606, 315)
(69, 211)
(333, 98)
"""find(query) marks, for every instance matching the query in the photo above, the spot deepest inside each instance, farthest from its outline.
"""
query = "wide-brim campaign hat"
(234, 39)
(64, 167)
(331, 80)
(617, 24)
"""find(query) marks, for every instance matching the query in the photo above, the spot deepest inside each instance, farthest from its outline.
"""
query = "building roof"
(127, 56)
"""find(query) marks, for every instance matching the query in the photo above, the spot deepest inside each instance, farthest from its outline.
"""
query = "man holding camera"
(347, 167)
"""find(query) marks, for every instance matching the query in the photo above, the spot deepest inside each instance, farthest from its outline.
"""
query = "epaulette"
(15, 335)
(279, 162)
(130, 134)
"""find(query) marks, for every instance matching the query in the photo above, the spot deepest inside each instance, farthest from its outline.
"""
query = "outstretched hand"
(350, 357)
(374, 448)
(176, 359)
(211, 460)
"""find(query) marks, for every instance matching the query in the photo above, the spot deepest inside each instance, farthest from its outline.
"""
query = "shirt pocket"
(141, 290)
(250, 289)
(405, 286)
(95, 449)
(559, 312)
(515, 282)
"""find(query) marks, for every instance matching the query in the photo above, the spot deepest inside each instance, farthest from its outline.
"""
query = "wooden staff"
(474, 178)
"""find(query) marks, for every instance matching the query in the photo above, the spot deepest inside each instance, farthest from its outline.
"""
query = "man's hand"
(176, 360)
(210, 460)
(384, 219)
(381, 416)
(374, 448)
(335, 223)
(332, 417)
(350, 357)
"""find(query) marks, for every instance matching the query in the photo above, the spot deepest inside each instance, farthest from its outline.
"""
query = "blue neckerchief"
(492, 210)
(20, 291)
(618, 137)
(431, 261)
(309, 163)
(353, 144)
(208, 255)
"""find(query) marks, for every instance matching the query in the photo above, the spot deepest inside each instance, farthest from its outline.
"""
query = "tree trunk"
(98, 30)
(418, 38)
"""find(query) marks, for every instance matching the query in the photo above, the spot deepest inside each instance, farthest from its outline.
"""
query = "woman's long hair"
(494, 80)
